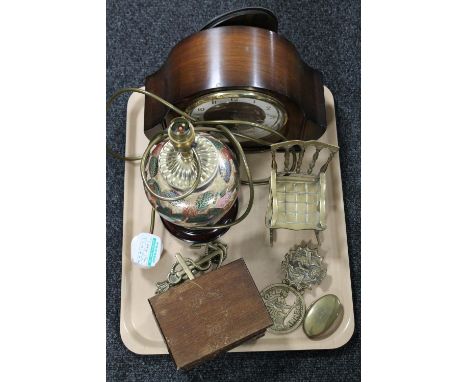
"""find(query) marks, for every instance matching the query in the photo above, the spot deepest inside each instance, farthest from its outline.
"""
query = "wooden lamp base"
(202, 236)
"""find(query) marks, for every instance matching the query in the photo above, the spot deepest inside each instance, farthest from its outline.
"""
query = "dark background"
(327, 34)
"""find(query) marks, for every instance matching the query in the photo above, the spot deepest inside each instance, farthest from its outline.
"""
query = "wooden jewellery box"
(204, 317)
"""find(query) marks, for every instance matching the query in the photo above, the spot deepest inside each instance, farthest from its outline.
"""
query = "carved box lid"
(211, 314)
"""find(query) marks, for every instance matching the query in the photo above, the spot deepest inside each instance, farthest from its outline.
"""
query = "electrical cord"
(220, 129)
(195, 122)
(144, 159)
(116, 155)
(151, 95)
(241, 154)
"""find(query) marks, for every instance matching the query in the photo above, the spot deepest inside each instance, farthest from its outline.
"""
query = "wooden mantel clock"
(239, 68)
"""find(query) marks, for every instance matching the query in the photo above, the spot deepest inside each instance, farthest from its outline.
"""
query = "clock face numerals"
(244, 106)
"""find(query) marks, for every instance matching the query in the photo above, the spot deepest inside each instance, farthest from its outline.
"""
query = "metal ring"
(241, 154)
(159, 137)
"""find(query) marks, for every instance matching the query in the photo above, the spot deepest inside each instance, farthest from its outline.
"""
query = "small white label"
(146, 250)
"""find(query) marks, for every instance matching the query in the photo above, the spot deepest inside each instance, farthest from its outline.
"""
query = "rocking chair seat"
(297, 202)
(297, 199)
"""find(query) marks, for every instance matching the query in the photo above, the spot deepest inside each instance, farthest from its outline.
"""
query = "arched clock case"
(239, 72)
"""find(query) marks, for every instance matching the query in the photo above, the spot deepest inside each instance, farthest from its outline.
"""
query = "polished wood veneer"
(239, 57)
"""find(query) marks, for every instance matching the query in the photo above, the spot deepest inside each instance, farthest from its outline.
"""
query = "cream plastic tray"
(249, 240)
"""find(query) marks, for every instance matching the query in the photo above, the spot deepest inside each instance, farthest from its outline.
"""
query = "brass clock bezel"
(242, 94)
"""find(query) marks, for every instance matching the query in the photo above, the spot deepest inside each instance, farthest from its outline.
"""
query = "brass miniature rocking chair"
(297, 200)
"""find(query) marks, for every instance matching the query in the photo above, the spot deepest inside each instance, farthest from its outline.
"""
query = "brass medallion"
(303, 266)
(286, 307)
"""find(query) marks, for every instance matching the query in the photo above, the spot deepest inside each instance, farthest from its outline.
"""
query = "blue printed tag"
(146, 250)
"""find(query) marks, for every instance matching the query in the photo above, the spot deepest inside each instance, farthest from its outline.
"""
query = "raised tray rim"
(126, 333)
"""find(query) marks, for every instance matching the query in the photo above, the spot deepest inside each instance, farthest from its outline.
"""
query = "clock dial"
(245, 106)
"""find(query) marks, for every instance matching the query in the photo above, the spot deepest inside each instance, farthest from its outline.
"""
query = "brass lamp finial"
(182, 135)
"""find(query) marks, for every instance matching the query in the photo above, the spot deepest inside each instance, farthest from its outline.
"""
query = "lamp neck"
(182, 136)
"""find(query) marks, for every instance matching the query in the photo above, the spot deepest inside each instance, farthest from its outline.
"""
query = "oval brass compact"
(239, 72)
(323, 317)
